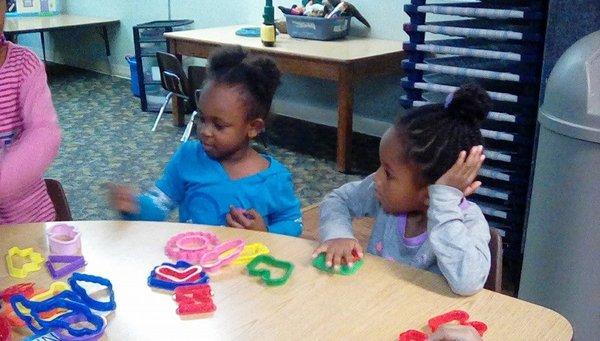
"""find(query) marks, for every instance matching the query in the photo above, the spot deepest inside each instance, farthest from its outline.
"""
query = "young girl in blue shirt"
(221, 180)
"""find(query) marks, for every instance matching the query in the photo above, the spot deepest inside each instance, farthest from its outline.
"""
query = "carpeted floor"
(106, 138)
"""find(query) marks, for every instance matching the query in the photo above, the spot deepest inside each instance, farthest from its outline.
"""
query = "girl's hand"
(464, 171)
(246, 219)
(449, 332)
(122, 199)
(338, 249)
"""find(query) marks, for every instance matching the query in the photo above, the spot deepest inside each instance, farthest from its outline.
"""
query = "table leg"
(105, 37)
(43, 45)
(345, 108)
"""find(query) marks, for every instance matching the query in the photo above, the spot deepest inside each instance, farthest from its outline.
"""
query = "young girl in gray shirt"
(417, 196)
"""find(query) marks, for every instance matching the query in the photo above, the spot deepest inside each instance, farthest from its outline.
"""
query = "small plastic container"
(135, 88)
(317, 28)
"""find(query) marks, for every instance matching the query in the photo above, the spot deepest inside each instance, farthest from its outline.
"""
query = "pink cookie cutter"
(222, 255)
(64, 239)
(190, 246)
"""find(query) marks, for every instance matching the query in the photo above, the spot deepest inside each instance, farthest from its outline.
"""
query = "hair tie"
(448, 100)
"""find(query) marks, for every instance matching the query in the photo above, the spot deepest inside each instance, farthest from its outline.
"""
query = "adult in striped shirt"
(29, 134)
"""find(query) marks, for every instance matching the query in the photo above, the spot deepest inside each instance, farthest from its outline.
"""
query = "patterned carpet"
(106, 138)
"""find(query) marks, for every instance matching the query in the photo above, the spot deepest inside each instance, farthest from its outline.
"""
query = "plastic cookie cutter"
(460, 316)
(73, 263)
(222, 255)
(25, 289)
(250, 252)
(72, 320)
(194, 299)
(54, 289)
(265, 274)
(413, 335)
(35, 261)
(74, 308)
(155, 281)
(64, 239)
(320, 263)
(37, 323)
(87, 299)
(5, 329)
(178, 273)
(190, 246)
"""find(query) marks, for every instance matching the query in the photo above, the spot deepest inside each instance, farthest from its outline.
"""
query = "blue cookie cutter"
(75, 308)
(41, 326)
(153, 281)
(89, 301)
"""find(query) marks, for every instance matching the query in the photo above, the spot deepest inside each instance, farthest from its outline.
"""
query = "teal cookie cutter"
(345, 270)
(265, 274)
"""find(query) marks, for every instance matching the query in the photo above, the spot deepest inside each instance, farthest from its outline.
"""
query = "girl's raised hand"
(464, 171)
(122, 198)
(338, 250)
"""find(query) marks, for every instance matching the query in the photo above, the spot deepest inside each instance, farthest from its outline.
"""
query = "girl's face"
(397, 184)
(224, 128)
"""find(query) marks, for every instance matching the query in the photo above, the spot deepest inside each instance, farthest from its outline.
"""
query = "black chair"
(59, 200)
(197, 75)
(176, 82)
(494, 280)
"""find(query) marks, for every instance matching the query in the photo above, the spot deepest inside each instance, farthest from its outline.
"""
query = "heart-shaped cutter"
(35, 261)
(178, 275)
(265, 274)
(154, 281)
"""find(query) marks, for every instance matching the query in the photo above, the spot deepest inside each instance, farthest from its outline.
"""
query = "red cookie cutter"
(170, 273)
(460, 316)
(25, 289)
(194, 299)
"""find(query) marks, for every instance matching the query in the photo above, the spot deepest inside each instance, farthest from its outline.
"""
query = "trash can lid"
(572, 99)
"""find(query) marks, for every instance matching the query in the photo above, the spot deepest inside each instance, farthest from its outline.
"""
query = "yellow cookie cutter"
(35, 262)
(55, 289)
(250, 252)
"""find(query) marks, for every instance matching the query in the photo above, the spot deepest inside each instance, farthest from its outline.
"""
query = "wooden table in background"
(21, 25)
(380, 301)
(343, 61)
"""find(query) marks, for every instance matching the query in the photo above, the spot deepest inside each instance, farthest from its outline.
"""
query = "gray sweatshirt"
(456, 243)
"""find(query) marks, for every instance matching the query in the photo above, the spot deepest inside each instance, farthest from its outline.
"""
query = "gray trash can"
(561, 265)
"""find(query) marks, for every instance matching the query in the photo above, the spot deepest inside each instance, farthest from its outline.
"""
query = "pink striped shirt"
(29, 138)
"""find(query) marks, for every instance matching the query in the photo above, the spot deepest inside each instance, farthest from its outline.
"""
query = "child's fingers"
(322, 248)
(232, 223)
(348, 257)
(337, 260)
(472, 188)
(359, 250)
(238, 215)
(329, 258)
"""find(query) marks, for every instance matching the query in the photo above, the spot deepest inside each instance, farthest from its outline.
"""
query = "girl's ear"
(256, 127)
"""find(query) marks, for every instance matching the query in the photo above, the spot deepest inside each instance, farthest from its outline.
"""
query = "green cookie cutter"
(345, 270)
(265, 274)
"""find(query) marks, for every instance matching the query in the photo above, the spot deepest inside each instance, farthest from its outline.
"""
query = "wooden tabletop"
(47, 23)
(380, 301)
(349, 49)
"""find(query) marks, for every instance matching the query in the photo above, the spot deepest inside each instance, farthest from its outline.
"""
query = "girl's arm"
(156, 203)
(27, 159)
(354, 199)
(287, 218)
(459, 240)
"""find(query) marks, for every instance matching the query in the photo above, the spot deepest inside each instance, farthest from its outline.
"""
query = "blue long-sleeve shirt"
(202, 189)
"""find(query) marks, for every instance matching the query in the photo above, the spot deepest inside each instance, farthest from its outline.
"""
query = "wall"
(376, 99)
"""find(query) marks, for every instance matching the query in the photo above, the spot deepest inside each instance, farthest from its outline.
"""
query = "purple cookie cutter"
(64, 239)
(73, 263)
(74, 319)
